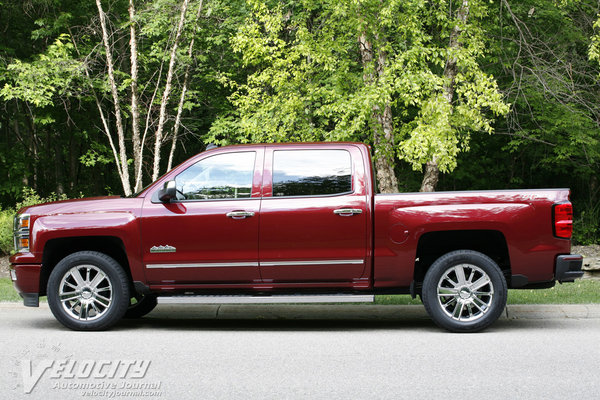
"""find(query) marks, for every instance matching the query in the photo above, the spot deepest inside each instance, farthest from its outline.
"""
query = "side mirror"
(168, 192)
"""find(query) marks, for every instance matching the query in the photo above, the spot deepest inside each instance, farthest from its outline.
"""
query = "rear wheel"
(88, 290)
(464, 291)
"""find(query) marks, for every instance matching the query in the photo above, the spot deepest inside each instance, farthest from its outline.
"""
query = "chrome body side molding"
(256, 264)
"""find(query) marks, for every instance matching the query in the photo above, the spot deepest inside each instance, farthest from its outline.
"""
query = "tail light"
(562, 215)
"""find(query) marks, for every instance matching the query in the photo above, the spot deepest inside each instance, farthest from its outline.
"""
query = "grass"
(580, 292)
(7, 291)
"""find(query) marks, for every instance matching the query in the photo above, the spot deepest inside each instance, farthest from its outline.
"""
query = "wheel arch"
(57, 249)
(433, 245)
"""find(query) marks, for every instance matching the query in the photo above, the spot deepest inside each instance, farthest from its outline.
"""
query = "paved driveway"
(299, 353)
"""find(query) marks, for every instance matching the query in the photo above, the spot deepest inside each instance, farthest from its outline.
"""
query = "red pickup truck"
(290, 223)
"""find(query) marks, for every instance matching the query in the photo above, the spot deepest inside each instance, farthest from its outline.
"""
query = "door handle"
(240, 214)
(347, 212)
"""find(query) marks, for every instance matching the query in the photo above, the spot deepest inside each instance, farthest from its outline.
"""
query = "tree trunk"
(432, 171)
(383, 129)
(183, 93)
(74, 150)
(430, 177)
(59, 166)
(167, 92)
(135, 112)
(121, 160)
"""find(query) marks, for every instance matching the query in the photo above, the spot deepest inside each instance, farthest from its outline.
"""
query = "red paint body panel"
(201, 233)
(293, 243)
(28, 278)
(523, 217)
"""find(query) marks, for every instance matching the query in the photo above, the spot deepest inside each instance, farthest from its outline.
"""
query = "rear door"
(313, 215)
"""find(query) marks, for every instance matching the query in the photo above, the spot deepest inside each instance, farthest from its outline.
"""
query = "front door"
(209, 234)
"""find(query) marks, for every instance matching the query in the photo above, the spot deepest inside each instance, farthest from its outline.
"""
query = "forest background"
(102, 97)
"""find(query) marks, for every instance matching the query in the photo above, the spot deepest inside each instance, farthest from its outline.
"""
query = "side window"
(223, 176)
(311, 172)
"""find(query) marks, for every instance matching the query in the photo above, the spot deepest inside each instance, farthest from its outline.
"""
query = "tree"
(369, 71)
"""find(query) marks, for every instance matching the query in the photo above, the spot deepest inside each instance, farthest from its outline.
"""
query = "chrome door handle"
(240, 214)
(347, 212)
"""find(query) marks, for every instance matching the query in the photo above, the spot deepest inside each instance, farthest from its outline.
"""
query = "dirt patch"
(4, 266)
(592, 251)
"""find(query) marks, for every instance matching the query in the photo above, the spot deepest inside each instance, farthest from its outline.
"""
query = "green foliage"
(29, 197)
(310, 82)
(266, 70)
(586, 226)
(38, 82)
(98, 153)
(6, 231)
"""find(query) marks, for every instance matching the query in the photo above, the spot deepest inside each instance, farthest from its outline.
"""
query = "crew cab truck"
(290, 223)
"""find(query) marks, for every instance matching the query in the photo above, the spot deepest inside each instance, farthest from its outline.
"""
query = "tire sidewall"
(448, 261)
(118, 280)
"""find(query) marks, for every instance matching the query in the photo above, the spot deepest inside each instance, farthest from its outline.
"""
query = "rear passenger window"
(311, 172)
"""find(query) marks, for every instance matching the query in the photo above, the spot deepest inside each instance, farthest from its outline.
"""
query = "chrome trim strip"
(202, 265)
(334, 298)
(312, 262)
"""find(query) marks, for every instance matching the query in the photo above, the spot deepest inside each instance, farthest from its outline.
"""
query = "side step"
(242, 299)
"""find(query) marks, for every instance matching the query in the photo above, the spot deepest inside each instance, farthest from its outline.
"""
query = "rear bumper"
(26, 280)
(568, 268)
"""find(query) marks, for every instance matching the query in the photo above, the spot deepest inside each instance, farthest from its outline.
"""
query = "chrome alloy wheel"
(465, 292)
(85, 292)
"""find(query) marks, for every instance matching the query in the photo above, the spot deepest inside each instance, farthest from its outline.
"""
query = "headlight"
(21, 233)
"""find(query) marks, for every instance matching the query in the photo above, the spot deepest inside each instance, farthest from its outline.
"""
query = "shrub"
(30, 197)
(586, 226)
(6, 231)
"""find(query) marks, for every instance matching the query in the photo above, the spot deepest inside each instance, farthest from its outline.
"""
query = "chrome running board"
(248, 299)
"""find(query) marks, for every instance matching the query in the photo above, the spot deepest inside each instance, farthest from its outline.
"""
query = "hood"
(86, 205)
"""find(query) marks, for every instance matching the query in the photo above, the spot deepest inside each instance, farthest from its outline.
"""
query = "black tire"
(140, 305)
(452, 294)
(95, 291)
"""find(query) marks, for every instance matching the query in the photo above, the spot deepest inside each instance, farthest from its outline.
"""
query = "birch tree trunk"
(121, 160)
(432, 171)
(167, 92)
(135, 112)
(183, 92)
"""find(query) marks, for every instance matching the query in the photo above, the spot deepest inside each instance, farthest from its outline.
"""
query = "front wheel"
(464, 291)
(88, 291)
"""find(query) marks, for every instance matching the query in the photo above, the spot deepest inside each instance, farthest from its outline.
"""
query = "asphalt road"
(180, 353)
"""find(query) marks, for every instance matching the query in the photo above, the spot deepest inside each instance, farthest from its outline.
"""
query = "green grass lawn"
(7, 291)
(580, 292)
